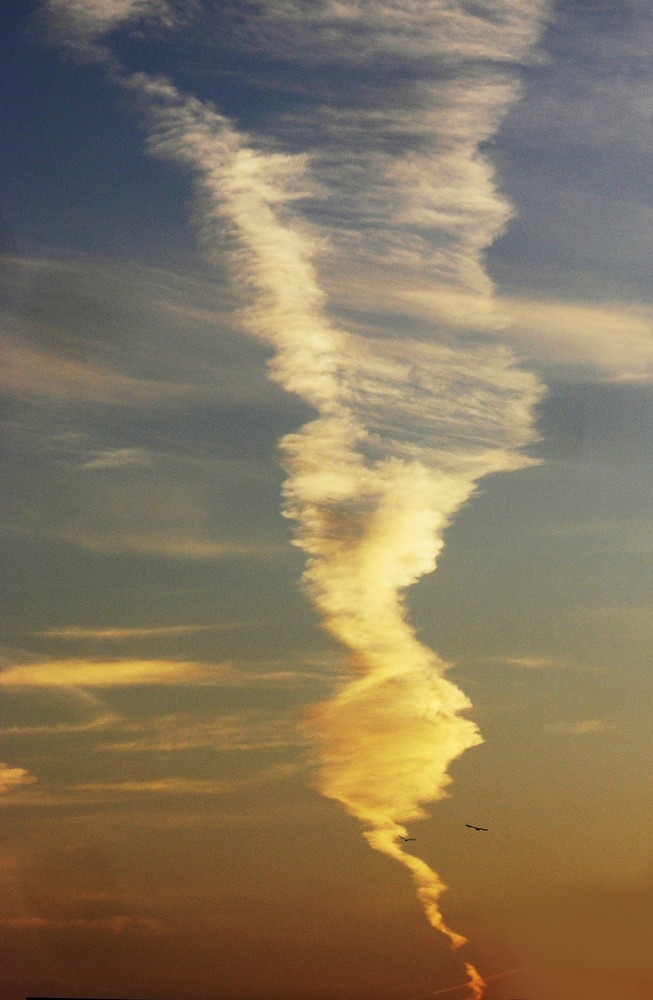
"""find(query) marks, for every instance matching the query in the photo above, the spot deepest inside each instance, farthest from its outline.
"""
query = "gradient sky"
(298, 299)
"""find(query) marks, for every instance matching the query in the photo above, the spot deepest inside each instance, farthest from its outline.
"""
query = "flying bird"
(406, 839)
(472, 827)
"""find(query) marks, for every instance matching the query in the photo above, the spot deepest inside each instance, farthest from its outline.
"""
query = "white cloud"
(607, 341)
(78, 25)
(321, 32)
(117, 458)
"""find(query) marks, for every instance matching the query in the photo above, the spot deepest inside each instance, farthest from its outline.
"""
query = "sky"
(327, 520)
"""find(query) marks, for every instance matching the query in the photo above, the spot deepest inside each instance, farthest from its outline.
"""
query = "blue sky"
(302, 302)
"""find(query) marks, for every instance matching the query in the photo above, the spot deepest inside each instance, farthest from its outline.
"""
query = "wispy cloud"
(114, 925)
(154, 498)
(99, 331)
(610, 342)
(321, 32)
(79, 25)
(103, 720)
(117, 458)
(83, 673)
(29, 369)
(97, 792)
(582, 727)
(254, 729)
(165, 546)
(120, 634)
(187, 786)
(533, 662)
(167, 786)
(13, 778)
(530, 662)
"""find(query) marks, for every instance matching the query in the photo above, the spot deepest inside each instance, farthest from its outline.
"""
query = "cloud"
(147, 544)
(609, 342)
(253, 729)
(117, 458)
(531, 662)
(401, 432)
(583, 727)
(31, 370)
(81, 673)
(78, 25)
(408, 195)
(157, 500)
(321, 32)
(104, 720)
(164, 546)
(94, 330)
(12, 778)
(75, 632)
(95, 792)
(397, 446)
(114, 925)
(167, 786)
(186, 786)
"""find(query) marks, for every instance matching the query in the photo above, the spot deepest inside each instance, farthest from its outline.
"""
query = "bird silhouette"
(472, 827)
(406, 839)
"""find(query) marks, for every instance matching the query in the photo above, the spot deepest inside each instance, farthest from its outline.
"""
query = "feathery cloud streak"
(82, 673)
(86, 672)
(78, 25)
(403, 429)
(119, 634)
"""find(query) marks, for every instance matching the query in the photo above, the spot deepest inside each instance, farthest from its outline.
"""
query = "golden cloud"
(84, 673)
(12, 778)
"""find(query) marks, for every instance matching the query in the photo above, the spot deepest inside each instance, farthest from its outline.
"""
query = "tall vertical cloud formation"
(403, 432)
(404, 429)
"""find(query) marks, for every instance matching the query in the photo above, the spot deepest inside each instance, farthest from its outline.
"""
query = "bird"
(406, 839)
(472, 827)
